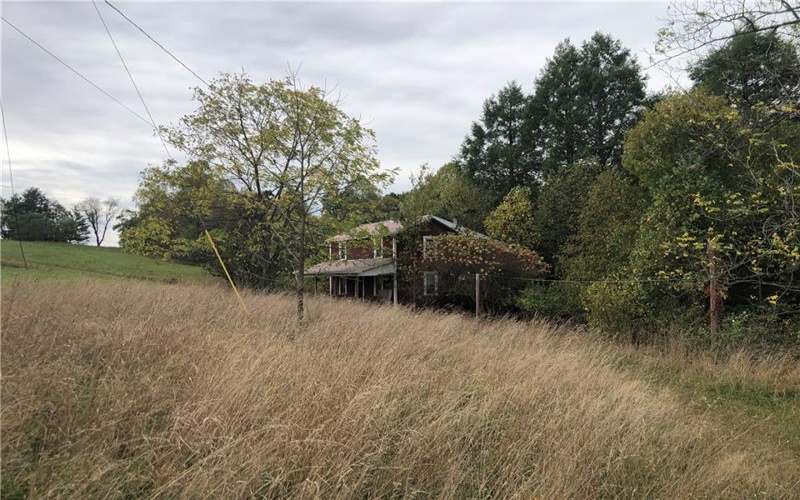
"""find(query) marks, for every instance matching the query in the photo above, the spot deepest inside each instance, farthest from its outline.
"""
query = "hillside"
(159, 391)
(64, 261)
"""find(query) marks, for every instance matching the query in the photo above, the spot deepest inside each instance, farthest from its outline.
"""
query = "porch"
(365, 279)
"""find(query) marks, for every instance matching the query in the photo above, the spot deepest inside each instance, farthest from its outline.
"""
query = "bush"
(617, 309)
(557, 300)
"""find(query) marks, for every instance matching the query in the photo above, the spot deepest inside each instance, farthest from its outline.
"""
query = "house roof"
(353, 267)
(392, 227)
(372, 229)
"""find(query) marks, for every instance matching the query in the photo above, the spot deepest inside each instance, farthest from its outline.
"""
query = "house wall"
(410, 287)
(360, 249)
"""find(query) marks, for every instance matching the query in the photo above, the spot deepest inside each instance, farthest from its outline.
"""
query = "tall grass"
(125, 391)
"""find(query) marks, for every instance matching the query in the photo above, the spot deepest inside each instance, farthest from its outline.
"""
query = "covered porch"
(364, 279)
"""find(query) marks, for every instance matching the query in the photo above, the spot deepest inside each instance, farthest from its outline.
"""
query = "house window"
(431, 284)
(378, 253)
(343, 250)
(427, 244)
(342, 286)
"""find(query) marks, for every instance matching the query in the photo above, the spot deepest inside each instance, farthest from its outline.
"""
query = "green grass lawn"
(48, 261)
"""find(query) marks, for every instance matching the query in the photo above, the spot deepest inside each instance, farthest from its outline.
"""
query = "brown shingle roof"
(347, 267)
(387, 227)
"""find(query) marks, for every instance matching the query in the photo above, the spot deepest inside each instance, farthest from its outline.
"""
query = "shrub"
(558, 300)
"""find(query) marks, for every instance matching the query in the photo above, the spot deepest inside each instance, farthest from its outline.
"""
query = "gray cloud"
(417, 73)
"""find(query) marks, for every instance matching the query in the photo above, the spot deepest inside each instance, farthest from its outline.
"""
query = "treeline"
(654, 211)
(655, 214)
(32, 216)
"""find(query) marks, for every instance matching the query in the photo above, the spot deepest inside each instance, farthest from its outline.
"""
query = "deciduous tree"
(287, 149)
(513, 221)
(448, 193)
(99, 215)
(724, 203)
(560, 204)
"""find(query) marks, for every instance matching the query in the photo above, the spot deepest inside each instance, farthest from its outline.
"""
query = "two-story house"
(363, 263)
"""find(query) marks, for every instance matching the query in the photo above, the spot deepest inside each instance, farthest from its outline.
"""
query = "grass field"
(141, 390)
(61, 261)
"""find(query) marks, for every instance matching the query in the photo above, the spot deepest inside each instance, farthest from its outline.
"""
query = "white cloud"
(417, 73)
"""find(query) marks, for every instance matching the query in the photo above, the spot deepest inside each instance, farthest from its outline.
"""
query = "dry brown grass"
(125, 391)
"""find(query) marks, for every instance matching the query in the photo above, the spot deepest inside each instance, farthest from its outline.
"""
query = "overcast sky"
(415, 73)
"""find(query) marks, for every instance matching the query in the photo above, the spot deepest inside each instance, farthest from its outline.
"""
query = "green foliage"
(607, 227)
(717, 187)
(619, 308)
(585, 101)
(272, 168)
(560, 204)
(447, 193)
(766, 327)
(32, 216)
(753, 69)
(172, 201)
(497, 153)
(513, 220)
(556, 300)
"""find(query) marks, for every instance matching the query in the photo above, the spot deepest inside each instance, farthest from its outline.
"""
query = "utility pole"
(477, 295)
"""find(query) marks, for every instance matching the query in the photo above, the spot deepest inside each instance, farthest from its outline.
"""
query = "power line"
(75, 71)
(156, 42)
(552, 280)
(136, 87)
(205, 230)
(11, 180)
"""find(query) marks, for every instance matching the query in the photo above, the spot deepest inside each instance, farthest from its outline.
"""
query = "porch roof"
(353, 267)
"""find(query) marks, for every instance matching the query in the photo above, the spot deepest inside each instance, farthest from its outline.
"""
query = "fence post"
(477, 295)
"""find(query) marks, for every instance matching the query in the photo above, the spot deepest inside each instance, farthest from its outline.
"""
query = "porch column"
(330, 285)
(394, 291)
(355, 295)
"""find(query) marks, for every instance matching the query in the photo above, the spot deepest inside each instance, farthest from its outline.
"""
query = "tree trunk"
(714, 298)
(301, 264)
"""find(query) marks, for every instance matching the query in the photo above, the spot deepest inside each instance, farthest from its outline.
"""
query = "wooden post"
(394, 289)
(477, 295)
(713, 292)
(355, 294)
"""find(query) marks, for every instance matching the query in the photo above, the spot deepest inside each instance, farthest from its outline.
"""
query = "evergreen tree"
(497, 153)
(585, 101)
(753, 69)
(33, 216)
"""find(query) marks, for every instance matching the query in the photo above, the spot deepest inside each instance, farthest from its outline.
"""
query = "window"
(342, 286)
(431, 284)
(343, 250)
(427, 244)
(378, 253)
